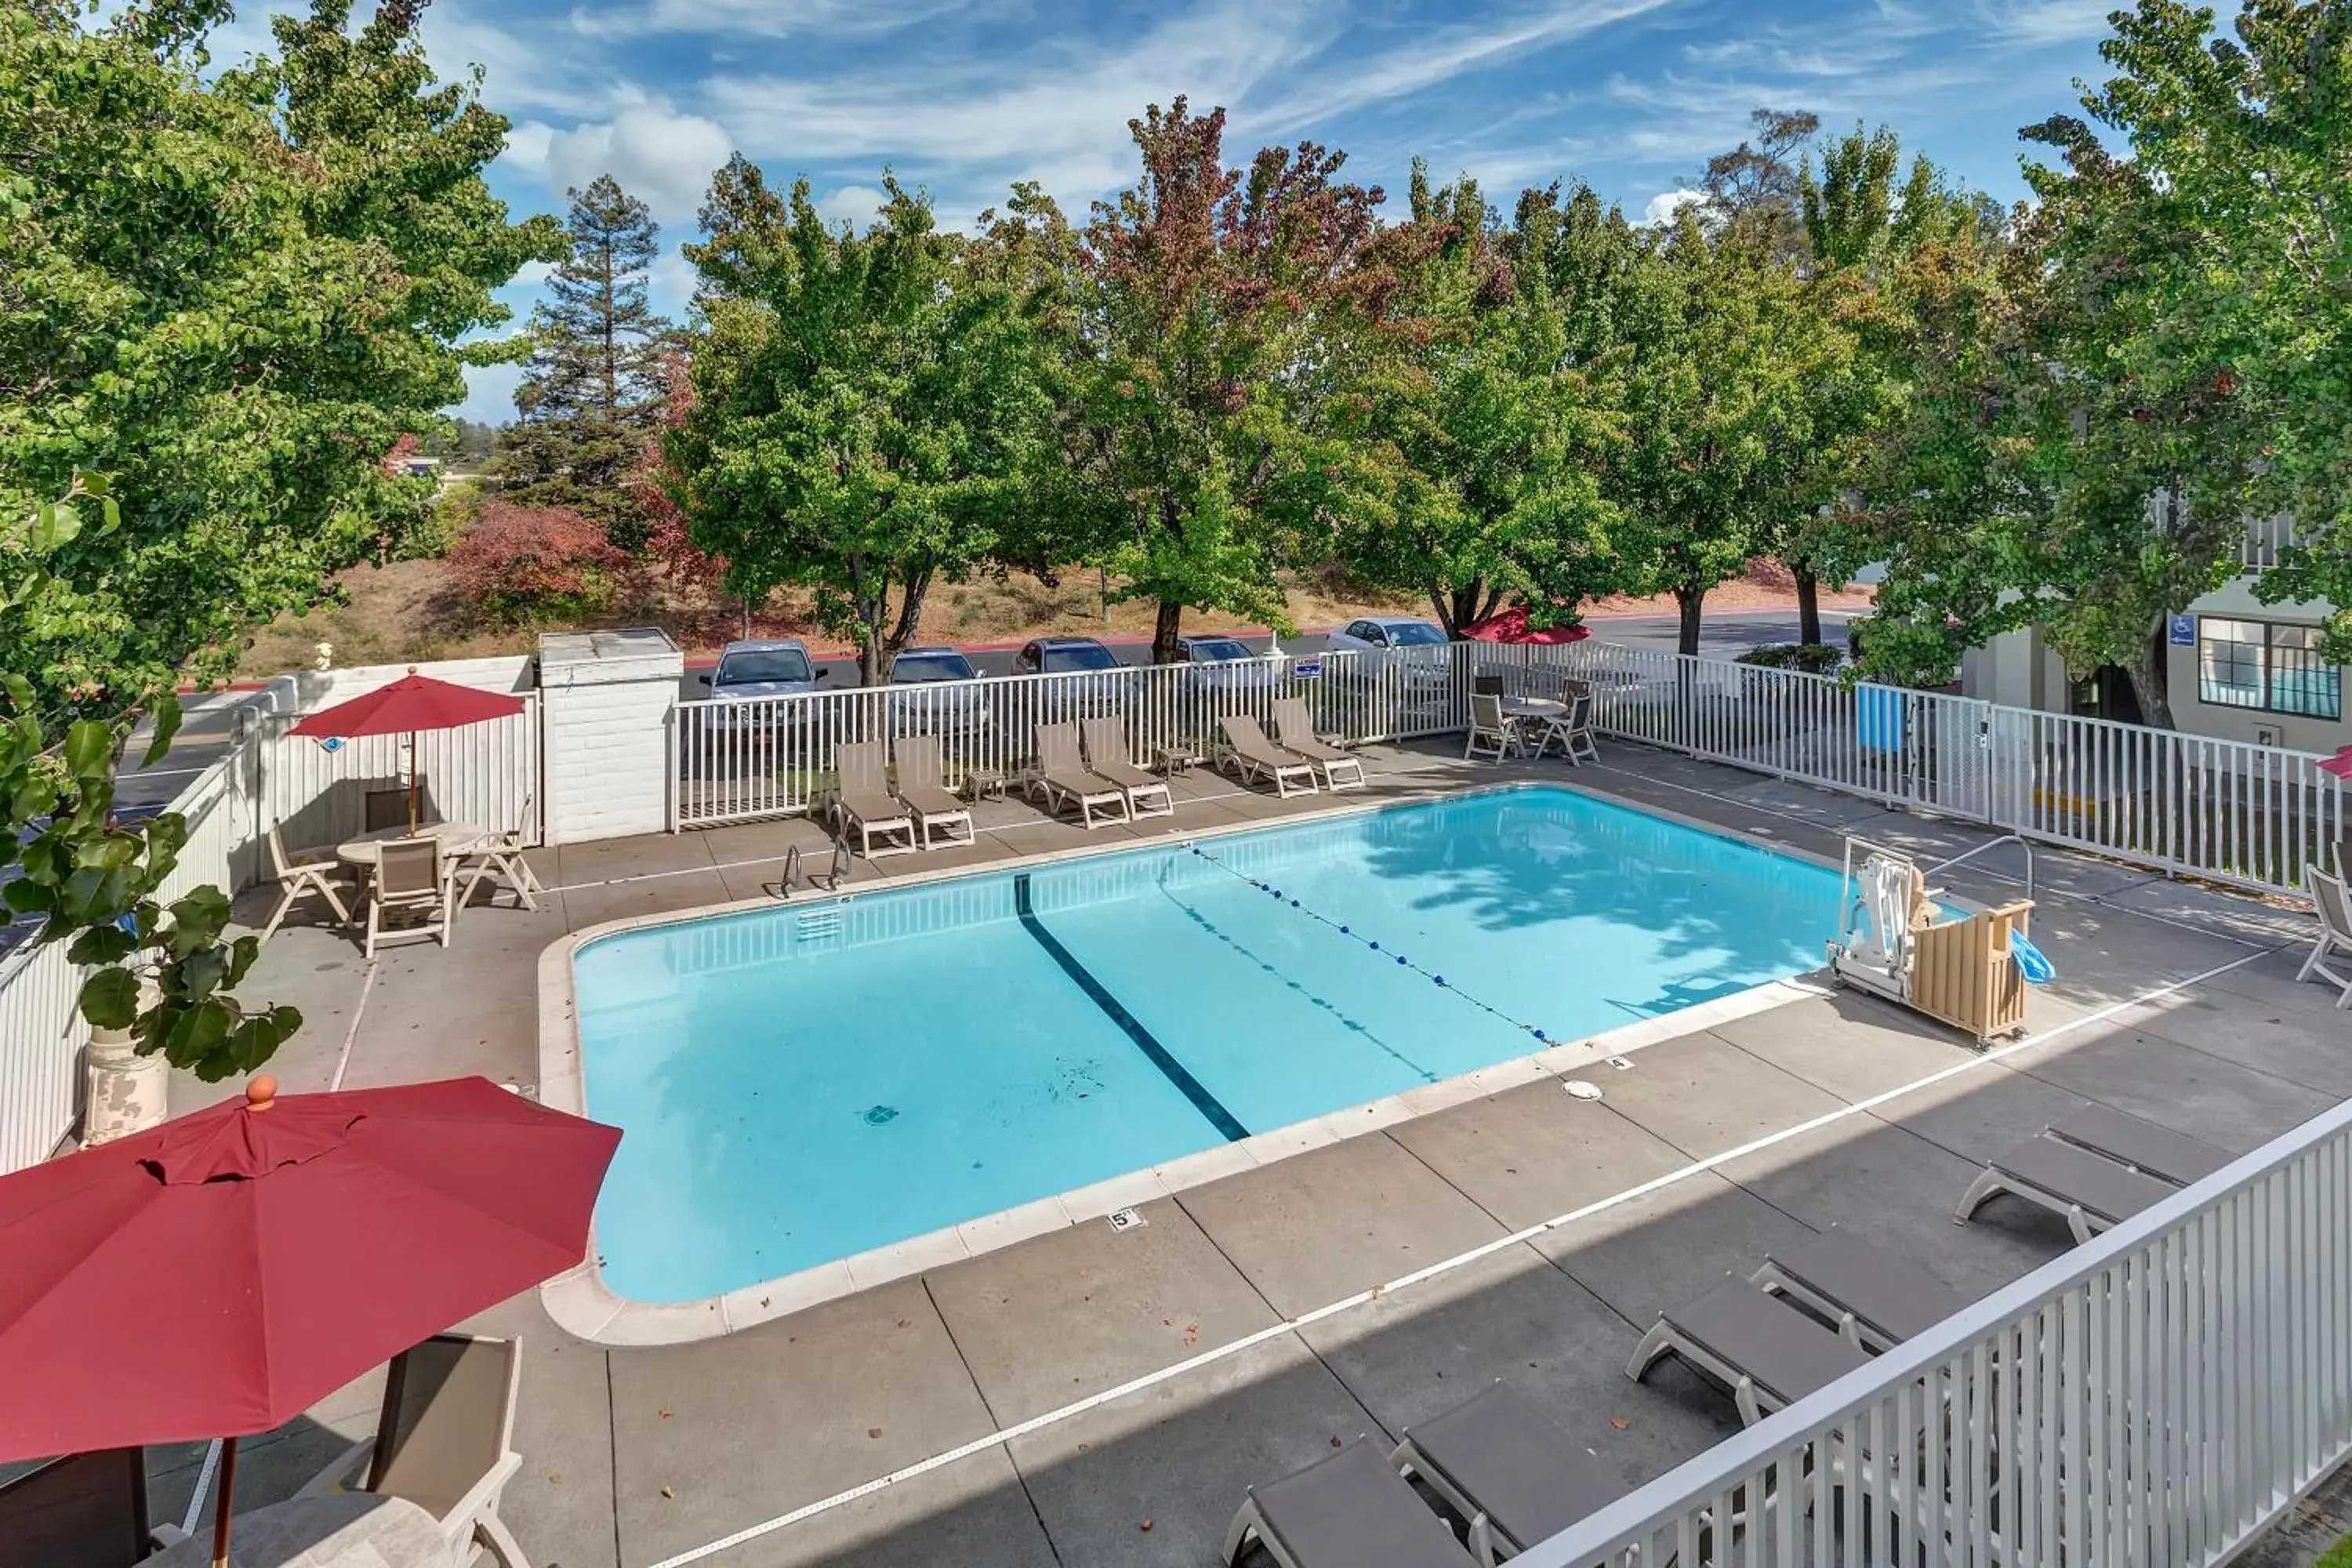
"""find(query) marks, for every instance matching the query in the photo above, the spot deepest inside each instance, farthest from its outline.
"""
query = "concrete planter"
(127, 1092)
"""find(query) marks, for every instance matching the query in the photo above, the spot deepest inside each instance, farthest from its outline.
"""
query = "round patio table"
(1535, 708)
(349, 1529)
(453, 836)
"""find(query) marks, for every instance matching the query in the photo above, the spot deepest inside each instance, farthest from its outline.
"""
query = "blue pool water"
(800, 1084)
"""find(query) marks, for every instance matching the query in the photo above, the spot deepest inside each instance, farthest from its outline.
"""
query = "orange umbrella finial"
(262, 1092)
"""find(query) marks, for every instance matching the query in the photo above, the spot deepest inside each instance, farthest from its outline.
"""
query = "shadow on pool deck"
(633, 1456)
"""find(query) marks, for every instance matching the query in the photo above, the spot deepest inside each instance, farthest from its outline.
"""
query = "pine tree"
(594, 390)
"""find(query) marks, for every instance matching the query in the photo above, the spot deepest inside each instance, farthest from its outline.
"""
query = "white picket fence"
(41, 1027)
(2157, 1396)
(772, 756)
(2245, 814)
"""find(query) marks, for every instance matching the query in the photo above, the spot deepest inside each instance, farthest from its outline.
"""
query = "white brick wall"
(605, 703)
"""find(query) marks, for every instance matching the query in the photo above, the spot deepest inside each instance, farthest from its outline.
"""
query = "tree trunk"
(2148, 685)
(1690, 599)
(1167, 620)
(1809, 605)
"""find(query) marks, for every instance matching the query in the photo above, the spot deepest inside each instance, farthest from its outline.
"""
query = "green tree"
(1860, 229)
(1493, 430)
(231, 297)
(1719, 352)
(595, 392)
(1209, 424)
(867, 412)
(2229, 228)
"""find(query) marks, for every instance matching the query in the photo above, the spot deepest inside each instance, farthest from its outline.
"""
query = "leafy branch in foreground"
(101, 882)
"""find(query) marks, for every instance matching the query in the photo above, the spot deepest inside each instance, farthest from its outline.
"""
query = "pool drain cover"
(1580, 1090)
(880, 1114)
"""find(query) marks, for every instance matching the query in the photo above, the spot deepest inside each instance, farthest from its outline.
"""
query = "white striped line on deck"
(1445, 1266)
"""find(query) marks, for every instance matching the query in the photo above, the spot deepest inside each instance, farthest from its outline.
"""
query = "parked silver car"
(944, 696)
(1220, 665)
(746, 671)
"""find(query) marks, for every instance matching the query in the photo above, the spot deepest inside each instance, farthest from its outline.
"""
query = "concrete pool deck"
(1100, 1396)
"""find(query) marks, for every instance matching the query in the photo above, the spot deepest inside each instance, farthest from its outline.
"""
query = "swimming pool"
(804, 1083)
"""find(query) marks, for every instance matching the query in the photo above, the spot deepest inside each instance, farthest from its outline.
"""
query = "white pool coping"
(583, 1305)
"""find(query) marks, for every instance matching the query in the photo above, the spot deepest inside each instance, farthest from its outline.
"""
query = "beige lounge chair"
(936, 807)
(1064, 780)
(2331, 901)
(1294, 731)
(1106, 758)
(1494, 734)
(412, 878)
(314, 873)
(865, 804)
(1252, 757)
(445, 1441)
(498, 858)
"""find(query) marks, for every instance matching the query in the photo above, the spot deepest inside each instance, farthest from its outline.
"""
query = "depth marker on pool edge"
(1003, 1436)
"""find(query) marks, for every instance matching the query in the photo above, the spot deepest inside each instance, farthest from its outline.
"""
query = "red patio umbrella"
(1511, 626)
(220, 1274)
(413, 703)
(2340, 764)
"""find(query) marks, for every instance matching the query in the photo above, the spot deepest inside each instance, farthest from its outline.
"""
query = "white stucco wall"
(2235, 599)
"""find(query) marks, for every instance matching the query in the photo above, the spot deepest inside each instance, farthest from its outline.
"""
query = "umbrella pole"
(223, 1500)
(412, 784)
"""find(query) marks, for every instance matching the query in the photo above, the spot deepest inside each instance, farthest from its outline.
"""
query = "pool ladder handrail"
(837, 867)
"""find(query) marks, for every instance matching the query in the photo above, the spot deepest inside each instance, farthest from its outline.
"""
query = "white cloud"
(765, 18)
(1666, 204)
(2040, 23)
(518, 73)
(1057, 116)
(852, 204)
(661, 157)
(1448, 53)
(532, 272)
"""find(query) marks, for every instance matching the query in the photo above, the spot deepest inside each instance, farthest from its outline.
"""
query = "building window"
(2258, 664)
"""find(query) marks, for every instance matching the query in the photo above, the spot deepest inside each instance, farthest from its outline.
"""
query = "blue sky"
(962, 99)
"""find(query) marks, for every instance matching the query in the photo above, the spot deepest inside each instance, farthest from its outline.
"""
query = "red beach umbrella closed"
(2340, 764)
(220, 1274)
(1511, 626)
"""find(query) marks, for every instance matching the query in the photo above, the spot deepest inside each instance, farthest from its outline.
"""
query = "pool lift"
(1961, 963)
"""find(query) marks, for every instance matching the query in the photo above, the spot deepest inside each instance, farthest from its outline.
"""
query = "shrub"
(523, 563)
(1813, 658)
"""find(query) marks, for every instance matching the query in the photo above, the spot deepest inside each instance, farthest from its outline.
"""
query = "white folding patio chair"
(412, 878)
(296, 878)
(2332, 901)
(499, 857)
(1494, 734)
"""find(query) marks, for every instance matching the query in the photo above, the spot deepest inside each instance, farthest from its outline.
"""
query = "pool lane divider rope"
(1005, 1435)
(1371, 944)
(1205, 1102)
